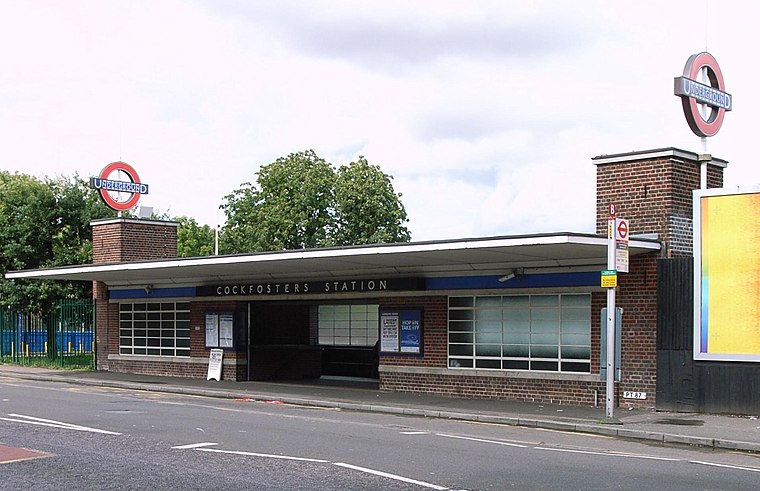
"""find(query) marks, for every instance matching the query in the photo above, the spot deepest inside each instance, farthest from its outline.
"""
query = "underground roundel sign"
(703, 94)
(119, 186)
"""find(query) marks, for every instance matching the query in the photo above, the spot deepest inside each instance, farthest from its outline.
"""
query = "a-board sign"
(215, 364)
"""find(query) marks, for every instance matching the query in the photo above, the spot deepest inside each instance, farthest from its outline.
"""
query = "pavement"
(726, 432)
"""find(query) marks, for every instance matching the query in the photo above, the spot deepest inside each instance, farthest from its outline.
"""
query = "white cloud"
(487, 113)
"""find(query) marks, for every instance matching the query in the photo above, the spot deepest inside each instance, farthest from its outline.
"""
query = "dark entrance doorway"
(280, 346)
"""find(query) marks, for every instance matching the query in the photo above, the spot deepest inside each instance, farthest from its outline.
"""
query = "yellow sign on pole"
(609, 278)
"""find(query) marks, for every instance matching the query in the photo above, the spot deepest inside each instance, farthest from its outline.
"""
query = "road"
(82, 437)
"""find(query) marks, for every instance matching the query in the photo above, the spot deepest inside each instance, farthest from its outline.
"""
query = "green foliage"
(300, 201)
(194, 240)
(44, 224)
(367, 211)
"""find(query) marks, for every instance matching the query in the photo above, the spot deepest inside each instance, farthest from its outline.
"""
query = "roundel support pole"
(610, 382)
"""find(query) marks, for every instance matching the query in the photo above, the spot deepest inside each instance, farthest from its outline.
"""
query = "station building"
(510, 317)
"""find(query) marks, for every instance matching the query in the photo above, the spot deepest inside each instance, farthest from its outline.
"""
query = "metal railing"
(65, 338)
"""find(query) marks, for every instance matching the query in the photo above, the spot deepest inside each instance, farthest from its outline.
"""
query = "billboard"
(727, 274)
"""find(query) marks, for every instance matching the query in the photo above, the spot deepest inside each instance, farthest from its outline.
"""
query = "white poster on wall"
(225, 330)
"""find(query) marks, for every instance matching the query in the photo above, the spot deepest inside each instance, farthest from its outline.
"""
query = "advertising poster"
(389, 335)
(726, 275)
(410, 331)
(401, 331)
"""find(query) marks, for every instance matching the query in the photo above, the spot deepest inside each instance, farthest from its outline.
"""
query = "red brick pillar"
(116, 240)
(653, 191)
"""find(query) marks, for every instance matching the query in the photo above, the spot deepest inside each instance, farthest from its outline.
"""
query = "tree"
(44, 224)
(194, 240)
(367, 209)
(290, 208)
(301, 201)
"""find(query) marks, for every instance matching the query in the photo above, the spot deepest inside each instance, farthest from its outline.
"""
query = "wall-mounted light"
(148, 289)
(518, 273)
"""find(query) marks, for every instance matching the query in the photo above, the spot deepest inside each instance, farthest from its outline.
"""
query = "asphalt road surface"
(61, 436)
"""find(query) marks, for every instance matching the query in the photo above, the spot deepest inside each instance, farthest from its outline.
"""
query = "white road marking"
(195, 445)
(269, 456)
(55, 424)
(608, 454)
(414, 432)
(390, 476)
(481, 440)
(727, 466)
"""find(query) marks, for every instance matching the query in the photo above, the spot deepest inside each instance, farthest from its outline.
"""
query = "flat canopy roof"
(490, 255)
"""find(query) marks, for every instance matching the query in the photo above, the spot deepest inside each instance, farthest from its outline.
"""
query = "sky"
(486, 113)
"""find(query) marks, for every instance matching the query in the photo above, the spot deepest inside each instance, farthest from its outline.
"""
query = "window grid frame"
(464, 338)
(154, 329)
(358, 325)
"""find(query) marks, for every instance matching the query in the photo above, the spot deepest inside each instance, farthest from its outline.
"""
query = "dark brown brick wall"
(126, 239)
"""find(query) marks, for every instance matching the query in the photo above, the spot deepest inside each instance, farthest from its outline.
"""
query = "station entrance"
(296, 340)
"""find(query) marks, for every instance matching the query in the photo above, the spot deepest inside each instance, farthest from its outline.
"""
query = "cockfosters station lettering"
(309, 287)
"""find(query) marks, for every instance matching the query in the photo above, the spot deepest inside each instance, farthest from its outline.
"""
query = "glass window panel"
(125, 307)
(487, 350)
(167, 316)
(125, 351)
(576, 352)
(154, 341)
(577, 315)
(154, 316)
(460, 301)
(140, 316)
(167, 343)
(488, 315)
(576, 339)
(576, 367)
(359, 311)
(154, 333)
(460, 349)
(167, 352)
(515, 365)
(154, 307)
(342, 312)
(140, 306)
(575, 327)
(460, 326)
(544, 301)
(517, 337)
(344, 341)
(547, 366)
(183, 306)
(328, 340)
(141, 324)
(544, 351)
(481, 302)
(167, 333)
(488, 337)
(359, 341)
(460, 363)
(516, 350)
(343, 324)
(541, 338)
(460, 315)
(516, 302)
(125, 317)
(488, 326)
(460, 337)
(141, 332)
(576, 300)
(183, 316)
(488, 364)
(545, 316)
(125, 333)
(140, 342)
(183, 343)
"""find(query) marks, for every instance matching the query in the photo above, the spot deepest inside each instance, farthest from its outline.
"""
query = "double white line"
(31, 420)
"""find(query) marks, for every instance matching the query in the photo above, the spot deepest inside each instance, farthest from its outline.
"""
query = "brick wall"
(653, 191)
(127, 239)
